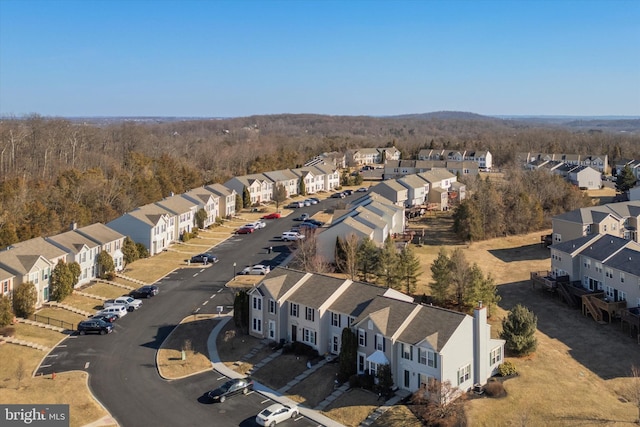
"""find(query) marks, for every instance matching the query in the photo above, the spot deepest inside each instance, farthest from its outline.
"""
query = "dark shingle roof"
(571, 245)
(280, 280)
(627, 260)
(605, 246)
(316, 290)
(435, 323)
(395, 312)
(356, 298)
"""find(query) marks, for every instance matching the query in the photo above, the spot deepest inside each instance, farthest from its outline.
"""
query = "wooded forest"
(57, 171)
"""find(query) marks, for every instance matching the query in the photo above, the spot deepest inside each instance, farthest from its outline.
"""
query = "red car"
(274, 215)
(244, 230)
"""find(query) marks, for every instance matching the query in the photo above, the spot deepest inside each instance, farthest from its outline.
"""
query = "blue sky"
(209, 58)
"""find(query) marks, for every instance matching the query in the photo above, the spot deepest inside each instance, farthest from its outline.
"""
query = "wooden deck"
(630, 319)
(600, 308)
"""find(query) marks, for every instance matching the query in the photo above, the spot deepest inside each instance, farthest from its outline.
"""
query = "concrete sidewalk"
(271, 394)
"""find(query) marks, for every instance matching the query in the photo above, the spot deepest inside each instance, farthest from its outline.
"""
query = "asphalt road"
(121, 366)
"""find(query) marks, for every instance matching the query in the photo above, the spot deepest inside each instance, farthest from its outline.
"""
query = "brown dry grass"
(191, 336)
(281, 370)
(83, 303)
(316, 387)
(37, 334)
(397, 416)
(67, 388)
(61, 314)
(353, 407)
(232, 351)
(104, 290)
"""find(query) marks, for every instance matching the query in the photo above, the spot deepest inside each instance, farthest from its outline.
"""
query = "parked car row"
(204, 259)
(257, 269)
(114, 309)
(251, 227)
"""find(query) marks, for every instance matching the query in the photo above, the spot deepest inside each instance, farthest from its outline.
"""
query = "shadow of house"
(534, 252)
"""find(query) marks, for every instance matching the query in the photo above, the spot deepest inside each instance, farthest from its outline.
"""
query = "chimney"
(73, 226)
(481, 336)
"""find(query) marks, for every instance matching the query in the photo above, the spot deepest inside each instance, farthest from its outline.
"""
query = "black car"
(231, 387)
(205, 258)
(348, 192)
(94, 325)
(146, 291)
(107, 317)
(314, 222)
(338, 196)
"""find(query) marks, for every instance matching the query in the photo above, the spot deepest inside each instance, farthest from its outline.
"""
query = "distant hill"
(445, 115)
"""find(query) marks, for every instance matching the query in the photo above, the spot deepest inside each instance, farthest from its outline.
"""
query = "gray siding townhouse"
(617, 219)
(312, 177)
(204, 200)
(418, 189)
(585, 177)
(109, 240)
(80, 249)
(348, 226)
(150, 225)
(595, 161)
(398, 168)
(419, 343)
(634, 165)
(393, 191)
(287, 179)
(330, 175)
(227, 199)
(440, 182)
(32, 261)
(183, 211)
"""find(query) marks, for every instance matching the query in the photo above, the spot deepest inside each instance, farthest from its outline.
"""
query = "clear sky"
(215, 58)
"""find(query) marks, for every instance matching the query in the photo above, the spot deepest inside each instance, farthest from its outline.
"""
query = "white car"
(291, 236)
(276, 414)
(257, 269)
(260, 223)
(118, 310)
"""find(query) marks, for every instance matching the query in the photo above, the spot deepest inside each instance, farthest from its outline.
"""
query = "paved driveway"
(121, 366)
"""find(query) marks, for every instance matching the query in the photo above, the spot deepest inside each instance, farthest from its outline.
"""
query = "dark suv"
(231, 387)
(95, 325)
(146, 291)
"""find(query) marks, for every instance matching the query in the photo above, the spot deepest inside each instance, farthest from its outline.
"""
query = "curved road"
(121, 366)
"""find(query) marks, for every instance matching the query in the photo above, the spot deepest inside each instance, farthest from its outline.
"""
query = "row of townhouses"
(33, 260)
(595, 262)
(584, 177)
(420, 343)
(483, 159)
(597, 162)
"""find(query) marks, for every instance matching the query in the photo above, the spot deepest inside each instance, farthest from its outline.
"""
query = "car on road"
(314, 199)
(204, 258)
(295, 205)
(95, 325)
(291, 236)
(303, 217)
(307, 226)
(107, 317)
(146, 291)
(273, 215)
(245, 230)
(230, 388)
(118, 310)
(260, 224)
(127, 301)
(348, 192)
(362, 190)
(338, 195)
(310, 201)
(275, 414)
(257, 269)
(313, 221)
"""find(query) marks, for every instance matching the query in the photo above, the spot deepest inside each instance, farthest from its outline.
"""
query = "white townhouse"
(312, 177)
(183, 210)
(285, 178)
(348, 226)
(150, 225)
(227, 199)
(109, 240)
(80, 249)
(596, 161)
(364, 156)
(585, 177)
(392, 214)
(418, 189)
(330, 175)
(418, 342)
(6, 282)
(31, 261)
(482, 158)
(259, 186)
(204, 200)
(440, 182)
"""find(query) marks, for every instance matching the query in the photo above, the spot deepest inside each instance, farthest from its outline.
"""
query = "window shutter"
(410, 352)
(375, 342)
(365, 338)
(384, 344)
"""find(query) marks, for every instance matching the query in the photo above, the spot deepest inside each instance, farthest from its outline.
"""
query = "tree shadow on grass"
(534, 252)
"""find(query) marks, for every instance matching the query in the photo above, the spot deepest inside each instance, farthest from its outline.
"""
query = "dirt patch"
(191, 337)
(278, 372)
(316, 387)
(353, 407)
(233, 349)
(397, 416)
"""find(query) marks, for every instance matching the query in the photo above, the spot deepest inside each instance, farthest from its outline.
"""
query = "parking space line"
(196, 310)
(195, 274)
(222, 378)
(212, 296)
(220, 290)
(62, 345)
(265, 401)
(52, 355)
(205, 303)
(86, 365)
(44, 366)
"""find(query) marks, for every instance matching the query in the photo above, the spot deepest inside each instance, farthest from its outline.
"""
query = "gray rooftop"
(605, 246)
(626, 260)
(72, 241)
(316, 290)
(280, 280)
(435, 324)
(388, 314)
(100, 233)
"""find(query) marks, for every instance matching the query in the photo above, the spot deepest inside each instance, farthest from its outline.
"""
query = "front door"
(294, 333)
(335, 345)
(406, 379)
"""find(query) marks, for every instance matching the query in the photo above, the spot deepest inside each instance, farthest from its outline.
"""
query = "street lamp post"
(234, 271)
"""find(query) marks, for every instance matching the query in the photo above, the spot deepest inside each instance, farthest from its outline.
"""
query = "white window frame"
(294, 310)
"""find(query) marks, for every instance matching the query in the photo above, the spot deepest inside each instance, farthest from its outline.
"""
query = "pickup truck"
(130, 303)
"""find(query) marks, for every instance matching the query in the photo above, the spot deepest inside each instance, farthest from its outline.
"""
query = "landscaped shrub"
(354, 381)
(495, 389)
(507, 369)
(301, 349)
(367, 381)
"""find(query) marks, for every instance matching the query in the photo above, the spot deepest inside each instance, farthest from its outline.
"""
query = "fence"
(50, 321)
